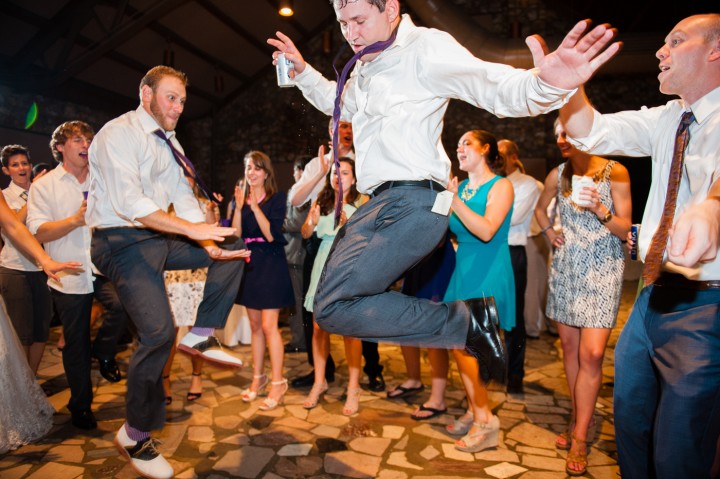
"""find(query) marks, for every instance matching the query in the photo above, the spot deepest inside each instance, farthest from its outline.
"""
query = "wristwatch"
(608, 216)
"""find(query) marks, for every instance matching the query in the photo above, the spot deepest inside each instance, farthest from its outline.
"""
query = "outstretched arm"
(577, 58)
(27, 243)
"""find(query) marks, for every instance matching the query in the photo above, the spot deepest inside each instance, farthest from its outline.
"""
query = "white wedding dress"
(25, 412)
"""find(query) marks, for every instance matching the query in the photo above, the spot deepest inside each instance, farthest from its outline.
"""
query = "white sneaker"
(143, 456)
(209, 348)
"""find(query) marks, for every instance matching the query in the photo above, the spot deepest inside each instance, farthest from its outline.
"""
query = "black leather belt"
(675, 280)
(433, 185)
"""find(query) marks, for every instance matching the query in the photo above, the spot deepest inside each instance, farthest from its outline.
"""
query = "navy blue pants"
(667, 384)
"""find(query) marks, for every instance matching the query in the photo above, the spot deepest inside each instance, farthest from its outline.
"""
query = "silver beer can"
(283, 68)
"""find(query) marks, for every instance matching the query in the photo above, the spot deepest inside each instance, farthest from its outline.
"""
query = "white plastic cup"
(578, 183)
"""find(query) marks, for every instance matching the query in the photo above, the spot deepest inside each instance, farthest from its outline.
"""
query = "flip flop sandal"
(401, 391)
(433, 412)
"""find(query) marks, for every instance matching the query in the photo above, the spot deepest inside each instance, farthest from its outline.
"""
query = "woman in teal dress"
(482, 208)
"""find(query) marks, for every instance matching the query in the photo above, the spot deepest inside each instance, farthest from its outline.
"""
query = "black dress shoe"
(309, 379)
(84, 420)
(304, 381)
(292, 349)
(483, 340)
(109, 369)
(515, 385)
(376, 383)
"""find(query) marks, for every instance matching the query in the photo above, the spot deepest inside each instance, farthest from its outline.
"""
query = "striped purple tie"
(341, 79)
(186, 165)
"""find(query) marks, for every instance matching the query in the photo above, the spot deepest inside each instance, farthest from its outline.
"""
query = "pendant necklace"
(467, 193)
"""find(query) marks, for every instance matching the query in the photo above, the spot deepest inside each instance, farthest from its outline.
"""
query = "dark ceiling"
(95, 51)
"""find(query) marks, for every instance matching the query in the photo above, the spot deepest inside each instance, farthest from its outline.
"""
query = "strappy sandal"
(562, 442)
(577, 457)
(316, 392)
(166, 388)
(352, 403)
(461, 425)
(269, 403)
(480, 437)
(248, 395)
(191, 396)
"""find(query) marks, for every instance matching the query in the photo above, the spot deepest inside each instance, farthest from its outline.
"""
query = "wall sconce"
(285, 8)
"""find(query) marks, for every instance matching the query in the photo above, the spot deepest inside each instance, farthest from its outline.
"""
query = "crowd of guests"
(474, 259)
(98, 212)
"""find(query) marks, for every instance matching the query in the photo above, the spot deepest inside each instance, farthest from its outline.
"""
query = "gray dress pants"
(134, 260)
(381, 241)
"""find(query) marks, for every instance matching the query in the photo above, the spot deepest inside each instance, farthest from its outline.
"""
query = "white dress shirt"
(651, 132)
(56, 196)
(397, 102)
(133, 173)
(526, 196)
(11, 257)
(310, 172)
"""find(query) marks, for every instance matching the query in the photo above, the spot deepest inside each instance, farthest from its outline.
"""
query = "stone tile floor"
(220, 436)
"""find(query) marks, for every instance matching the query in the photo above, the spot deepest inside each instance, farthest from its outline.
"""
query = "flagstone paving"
(220, 436)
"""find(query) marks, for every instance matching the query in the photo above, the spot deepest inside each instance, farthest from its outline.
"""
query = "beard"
(165, 123)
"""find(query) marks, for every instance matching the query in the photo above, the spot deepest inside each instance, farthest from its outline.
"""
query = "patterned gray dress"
(586, 274)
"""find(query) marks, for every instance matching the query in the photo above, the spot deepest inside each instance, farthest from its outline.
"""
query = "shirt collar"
(15, 189)
(706, 105)
(148, 123)
(403, 35)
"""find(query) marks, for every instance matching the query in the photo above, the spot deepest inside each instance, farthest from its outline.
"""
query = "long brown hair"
(262, 161)
(326, 197)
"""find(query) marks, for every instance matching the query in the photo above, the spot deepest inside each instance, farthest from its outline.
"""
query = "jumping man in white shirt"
(396, 100)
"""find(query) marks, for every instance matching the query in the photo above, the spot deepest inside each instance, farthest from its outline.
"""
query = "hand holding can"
(283, 68)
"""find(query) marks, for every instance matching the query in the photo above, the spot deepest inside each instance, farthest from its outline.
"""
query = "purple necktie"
(341, 79)
(186, 165)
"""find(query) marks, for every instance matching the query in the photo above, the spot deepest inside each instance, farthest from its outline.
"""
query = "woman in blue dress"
(266, 287)
(482, 207)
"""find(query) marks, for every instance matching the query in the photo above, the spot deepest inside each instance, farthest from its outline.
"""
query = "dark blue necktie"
(341, 79)
(186, 165)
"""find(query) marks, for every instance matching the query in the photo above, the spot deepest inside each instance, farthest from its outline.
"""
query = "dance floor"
(220, 436)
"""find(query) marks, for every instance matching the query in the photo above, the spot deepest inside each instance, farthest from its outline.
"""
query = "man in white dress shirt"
(396, 100)
(526, 196)
(135, 175)
(56, 216)
(667, 386)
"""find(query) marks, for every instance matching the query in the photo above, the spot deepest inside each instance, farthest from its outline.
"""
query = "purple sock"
(204, 332)
(135, 434)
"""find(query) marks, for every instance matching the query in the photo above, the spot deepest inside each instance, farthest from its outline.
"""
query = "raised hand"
(286, 46)
(577, 58)
(452, 185)
(324, 162)
(239, 198)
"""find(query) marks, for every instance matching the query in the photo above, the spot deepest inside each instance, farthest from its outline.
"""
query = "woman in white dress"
(26, 414)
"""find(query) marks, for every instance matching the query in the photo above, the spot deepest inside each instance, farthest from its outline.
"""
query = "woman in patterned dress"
(585, 279)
